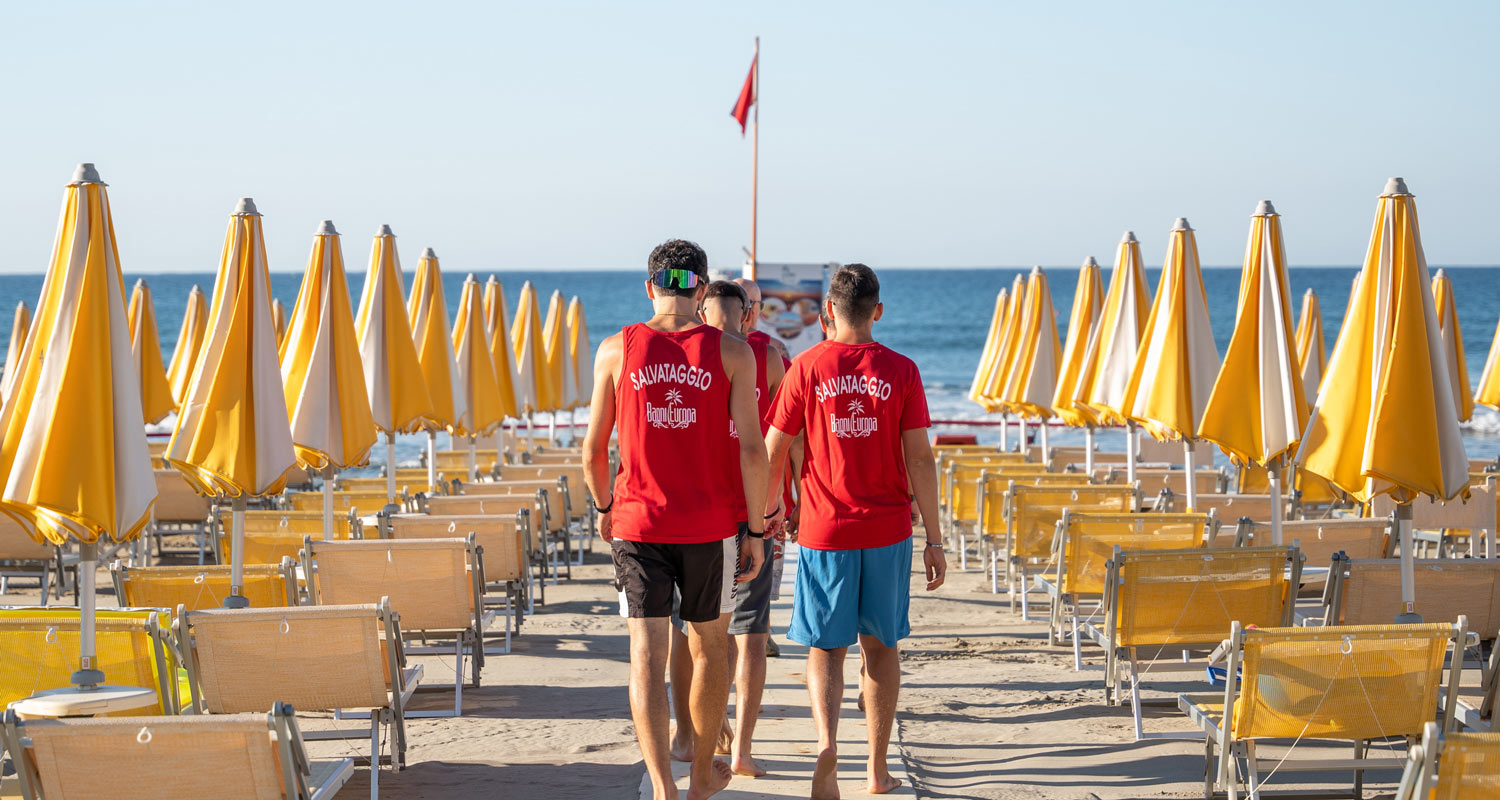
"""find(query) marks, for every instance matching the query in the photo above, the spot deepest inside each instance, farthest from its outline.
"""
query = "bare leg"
(682, 680)
(749, 684)
(648, 700)
(710, 695)
(724, 745)
(881, 676)
(825, 684)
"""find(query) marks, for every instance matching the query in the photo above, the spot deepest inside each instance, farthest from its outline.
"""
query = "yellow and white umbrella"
(1385, 419)
(478, 389)
(560, 372)
(18, 328)
(581, 352)
(1312, 353)
(1177, 362)
(393, 377)
(497, 329)
(1083, 321)
(1487, 393)
(145, 347)
(332, 427)
(991, 351)
(428, 313)
(278, 321)
(531, 354)
(189, 342)
(1033, 379)
(1111, 354)
(233, 435)
(1005, 359)
(1453, 344)
(73, 457)
(1257, 409)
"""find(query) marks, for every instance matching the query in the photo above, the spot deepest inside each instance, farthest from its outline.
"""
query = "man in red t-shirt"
(673, 385)
(864, 413)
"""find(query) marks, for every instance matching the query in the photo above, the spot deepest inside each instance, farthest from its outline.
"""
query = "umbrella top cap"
(385, 230)
(1036, 270)
(1395, 186)
(245, 207)
(1441, 275)
(1265, 209)
(1181, 225)
(85, 173)
(430, 253)
(325, 228)
(1128, 238)
(470, 279)
(1090, 262)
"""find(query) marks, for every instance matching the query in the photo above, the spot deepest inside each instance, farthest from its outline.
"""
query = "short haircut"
(854, 292)
(727, 290)
(678, 254)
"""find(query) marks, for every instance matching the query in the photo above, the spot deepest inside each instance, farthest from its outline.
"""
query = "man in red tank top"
(672, 385)
(864, 413)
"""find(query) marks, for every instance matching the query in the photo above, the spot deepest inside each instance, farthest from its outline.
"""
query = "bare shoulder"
(610, 349)
(736, 353)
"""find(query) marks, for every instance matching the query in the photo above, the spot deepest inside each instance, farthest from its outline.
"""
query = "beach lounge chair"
(179, 511)
(241, 756)
(987, 520)
(502, 540)
(1170, 453)
(197, 587)
(1319, 539)
(570, 508)
(133, 648)
(1475, 709)
(1321, 684)
(405, 486)
(1065, 457)
(1367, 591)
(1233, 507)
(1452, 526)
(1153, 481)
(1084, 544)
(456, 462)
(435, 585)
(360, 504)
(1031, 517)
(1452, 766)
(22, 557)
(539, 506)
(1159, 606)
(271, 535)
(316, 658)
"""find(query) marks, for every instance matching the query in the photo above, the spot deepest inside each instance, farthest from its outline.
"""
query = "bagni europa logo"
(853, 426)
(674, 415)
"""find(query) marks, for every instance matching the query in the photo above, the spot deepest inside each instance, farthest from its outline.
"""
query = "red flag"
(741, 112)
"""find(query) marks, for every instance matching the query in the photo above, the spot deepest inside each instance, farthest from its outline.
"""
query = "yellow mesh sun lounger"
(456, 462)
(1364, 591)
(554, 526)
(1162, 605)
(1335, 683)
(359, 504)
(179, 510)
(538, 505)
(1232, 508)
(1153, 481)
(22, 557)
(1319, 539)
(133, 648)
(1453, 766)
(234, 757)
(199, 587)
(1031, 517)
(276, 534)
(1065, 457)
(992, 512)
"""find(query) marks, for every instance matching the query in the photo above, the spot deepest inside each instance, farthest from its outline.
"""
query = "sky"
(573, 135)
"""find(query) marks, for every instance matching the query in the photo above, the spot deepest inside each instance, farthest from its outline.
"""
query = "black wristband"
(755, 534)
(773, 513)
(605, 510)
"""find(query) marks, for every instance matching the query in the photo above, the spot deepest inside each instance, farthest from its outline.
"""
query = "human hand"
(936, 562)
(606, 527)
(752, 558)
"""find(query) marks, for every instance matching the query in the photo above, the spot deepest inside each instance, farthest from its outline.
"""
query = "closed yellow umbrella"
(233, 436)
(1312, 353)
(560, 373)
(581, 352)
(1487, 393)
(1453, 344)
(1177, 362)
(1257, 409)
(1083, 321)
(478, 389)
(145, 346)
(73, 457)
(278, 321)
(189, 342)
(427, 311)
(393, 376)
(497, 330)
(1033, 379)
(1005, 359)
(531, 353)
(18, 328)
(1385, 419)
(1111, 355)
(332, 427)
(991, 349)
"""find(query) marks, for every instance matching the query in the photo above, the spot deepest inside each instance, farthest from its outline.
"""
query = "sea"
(938, 317)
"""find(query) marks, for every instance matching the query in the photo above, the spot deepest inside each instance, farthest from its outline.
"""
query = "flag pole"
(754, 160)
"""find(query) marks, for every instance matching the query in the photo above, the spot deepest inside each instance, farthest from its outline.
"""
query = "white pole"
(237, 557)
(1132, 451)
(552, 428)
(1022, 445)
(473, 467)
(1409, 613)
(500, 442)
(390, 467)
(431, 460)
(328, 503)
(1046, 445)
(1192, 473)
(1004, 432)
(1088, 451)
(1273, 471)
(530, 431)
(88, 560)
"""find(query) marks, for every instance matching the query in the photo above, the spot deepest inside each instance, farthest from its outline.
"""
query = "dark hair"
(678, 254)
(854, 292)
(724, 290)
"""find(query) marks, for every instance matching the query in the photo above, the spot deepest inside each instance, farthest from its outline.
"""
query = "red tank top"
(758, 346)
(678, 475)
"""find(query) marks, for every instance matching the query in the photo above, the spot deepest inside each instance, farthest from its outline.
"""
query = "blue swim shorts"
(842, 594)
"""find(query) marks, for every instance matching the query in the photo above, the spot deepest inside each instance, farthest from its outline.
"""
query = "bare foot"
(884, 784)
(725, 743)
(825, 781)
(745, 765)
(719, 778)
(682, 748)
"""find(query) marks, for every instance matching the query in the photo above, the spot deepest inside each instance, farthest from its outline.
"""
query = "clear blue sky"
(577, 135)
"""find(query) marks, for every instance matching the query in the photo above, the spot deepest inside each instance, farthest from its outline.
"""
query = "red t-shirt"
(678, 477)
(854, 401)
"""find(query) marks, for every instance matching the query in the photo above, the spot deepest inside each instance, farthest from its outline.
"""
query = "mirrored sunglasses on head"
(676, 279)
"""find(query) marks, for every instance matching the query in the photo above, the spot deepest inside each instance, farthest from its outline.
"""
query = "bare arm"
(778, 444)
(739, 363)
(775, 371)
(921, 469)
(601, 427)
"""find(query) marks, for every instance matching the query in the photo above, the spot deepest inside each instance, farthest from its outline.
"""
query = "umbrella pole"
(552, 429)
(1273, 473)
(1046, 445)
(88, 560)
(1189, 459)
(237, 558)
(473, 468)
(1088, 451)
(431, 460)
(328, 502)
(500, 442)
(390, 466)
(1022, 445)
(1409, 615)
(1132, 451)
(1004, 432)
